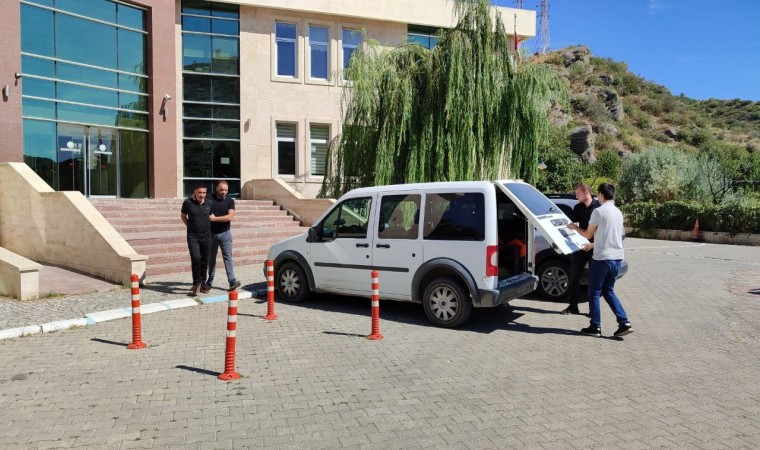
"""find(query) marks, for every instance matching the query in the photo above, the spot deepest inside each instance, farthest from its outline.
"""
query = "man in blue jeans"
(223, 209)
(606, 227)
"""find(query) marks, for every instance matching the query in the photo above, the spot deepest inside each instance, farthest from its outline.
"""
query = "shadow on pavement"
(167, 287)
(197, 370)
(105, 341)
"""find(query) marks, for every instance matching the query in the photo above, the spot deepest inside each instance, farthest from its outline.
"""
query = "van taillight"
(492, 261)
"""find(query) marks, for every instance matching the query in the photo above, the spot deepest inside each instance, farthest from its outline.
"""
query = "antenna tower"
(542, 45)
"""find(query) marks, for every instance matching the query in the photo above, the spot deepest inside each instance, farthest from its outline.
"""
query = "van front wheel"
(446, 302)
(291, 283)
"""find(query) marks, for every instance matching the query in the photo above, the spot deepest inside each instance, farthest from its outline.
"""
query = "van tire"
(446, 302)
(291, 283)
(554, 279)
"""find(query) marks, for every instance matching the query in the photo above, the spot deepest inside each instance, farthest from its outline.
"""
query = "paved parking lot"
(518, 376)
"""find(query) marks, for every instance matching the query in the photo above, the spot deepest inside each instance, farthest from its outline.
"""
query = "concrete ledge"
(181, 303)
(19, 276)
(305, 210)
(151, 308)
(63, 325)
(19, 332)
(711, 237)
(111, 314)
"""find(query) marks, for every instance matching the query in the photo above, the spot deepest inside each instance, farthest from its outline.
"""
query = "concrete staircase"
(153, 228)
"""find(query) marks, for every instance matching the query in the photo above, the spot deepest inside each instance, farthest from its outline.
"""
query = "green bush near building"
(732, 218)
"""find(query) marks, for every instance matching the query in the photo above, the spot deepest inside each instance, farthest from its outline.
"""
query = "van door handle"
(365, 245)
(383, 245)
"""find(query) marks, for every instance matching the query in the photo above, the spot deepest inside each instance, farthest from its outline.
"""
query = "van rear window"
(458, 216)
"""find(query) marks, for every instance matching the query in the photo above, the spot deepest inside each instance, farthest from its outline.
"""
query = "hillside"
(611, 108)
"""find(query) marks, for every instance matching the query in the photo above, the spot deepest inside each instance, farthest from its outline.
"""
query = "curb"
(114, 314)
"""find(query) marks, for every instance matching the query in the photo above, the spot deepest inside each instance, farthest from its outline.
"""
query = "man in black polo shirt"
(581, 215)
(223, 210)
(196, 212)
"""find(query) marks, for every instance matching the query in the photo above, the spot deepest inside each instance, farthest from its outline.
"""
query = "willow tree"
(465, 110)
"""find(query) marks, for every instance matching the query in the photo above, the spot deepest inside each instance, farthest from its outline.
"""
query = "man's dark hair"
(200, 185)
(607, 190)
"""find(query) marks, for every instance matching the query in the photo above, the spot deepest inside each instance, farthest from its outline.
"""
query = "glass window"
(215, 112)
(86, 114)
(84, 41)
(220, 26)
(131, 51)
(133, 161)
(197, 158)
(226, 130)
(201, 7)
(37, 108)
(349, 220)
(286, 148)
(224, 55)
(36, 66)
(225, 89)
(319, 136)
(196, 52)
(39, 149)
(133, 83)
(133, 101)
(97, 9)
(455, 217)
(196, 88)
(226, 160)
(37, 31)
(39, 88)
(130, 17)
(132, 120)
(198, 24)
(197, 128)
(534, 200)
(42, 2)
(91, 96)
(424, 35)
(86, 75)
(351, 41)
(225, 10)
(319, 45)
(399, 217)
(285, 38)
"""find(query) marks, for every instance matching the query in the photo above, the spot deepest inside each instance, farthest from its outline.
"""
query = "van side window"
(456, 217)
(399, 217)
(348, 220)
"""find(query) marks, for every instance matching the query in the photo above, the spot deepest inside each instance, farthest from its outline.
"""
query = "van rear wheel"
(446, 302)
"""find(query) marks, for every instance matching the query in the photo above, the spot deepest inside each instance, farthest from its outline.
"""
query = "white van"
(451, 246)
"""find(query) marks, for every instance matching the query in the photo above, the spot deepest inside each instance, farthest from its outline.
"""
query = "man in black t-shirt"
(196, 212)
(223, 211)
(581, 215)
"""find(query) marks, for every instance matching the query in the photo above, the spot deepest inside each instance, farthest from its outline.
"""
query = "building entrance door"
(88, 160)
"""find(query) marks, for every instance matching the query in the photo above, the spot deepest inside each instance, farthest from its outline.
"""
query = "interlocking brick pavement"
(512, 377)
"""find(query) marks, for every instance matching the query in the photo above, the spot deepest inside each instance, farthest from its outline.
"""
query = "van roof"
(425, 186)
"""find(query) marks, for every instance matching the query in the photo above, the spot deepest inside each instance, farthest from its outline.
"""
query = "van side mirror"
(311, 235)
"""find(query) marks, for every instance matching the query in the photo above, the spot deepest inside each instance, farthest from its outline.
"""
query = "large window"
(286, 148)
(319, 48)
(423, 35)
(211, 89)
(319, 136)
(84, 67)
(351, 41)
(455, 217)
(285, 39)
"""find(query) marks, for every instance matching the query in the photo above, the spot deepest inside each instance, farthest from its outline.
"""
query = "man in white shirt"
(606, 227)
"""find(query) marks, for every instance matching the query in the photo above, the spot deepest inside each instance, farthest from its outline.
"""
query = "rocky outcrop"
(608, 129)
(612, 101)
(607, 79)
(672, 133)
(582, 142)
(575, 54)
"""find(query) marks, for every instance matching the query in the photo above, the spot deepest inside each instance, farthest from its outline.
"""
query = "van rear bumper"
(508, 289)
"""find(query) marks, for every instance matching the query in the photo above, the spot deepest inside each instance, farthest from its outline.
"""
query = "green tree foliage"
(658, 175)
(564, 169)
(608, 166)
(465, 110)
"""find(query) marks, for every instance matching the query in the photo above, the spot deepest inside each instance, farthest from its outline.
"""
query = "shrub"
(659, 174)
(732, 218)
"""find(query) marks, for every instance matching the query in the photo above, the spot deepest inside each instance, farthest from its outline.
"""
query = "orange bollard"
(229, 352)
(137, 342)
(375, 335)
(270, 291)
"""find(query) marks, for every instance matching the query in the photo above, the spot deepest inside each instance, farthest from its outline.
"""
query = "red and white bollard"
(375, 335)
(270, 291)
(229, 373)
(137, 342)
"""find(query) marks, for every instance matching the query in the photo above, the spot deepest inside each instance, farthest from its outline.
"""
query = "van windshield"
(534, 200)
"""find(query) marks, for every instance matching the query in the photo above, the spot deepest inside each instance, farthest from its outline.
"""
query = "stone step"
(183, 256)
(165, 269)
(174, 218)
(273, 222)
(241, 237)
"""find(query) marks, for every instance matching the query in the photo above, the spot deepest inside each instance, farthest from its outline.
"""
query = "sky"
(703, 49)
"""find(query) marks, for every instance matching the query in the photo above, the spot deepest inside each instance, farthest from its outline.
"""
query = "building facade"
(144, 98)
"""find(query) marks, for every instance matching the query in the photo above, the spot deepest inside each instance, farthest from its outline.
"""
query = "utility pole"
(542, 45)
